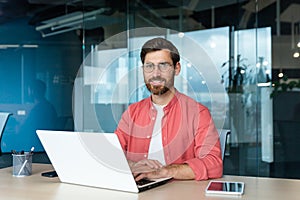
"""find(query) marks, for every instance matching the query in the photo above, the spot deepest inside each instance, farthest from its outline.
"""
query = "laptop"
(91, 159)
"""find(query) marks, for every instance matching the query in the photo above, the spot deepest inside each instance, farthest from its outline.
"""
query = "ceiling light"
(68, 22)
(264, 84)
(296, 54)
(5, 46)
(30, 46)
(181, 34)
(265, 63)
(213, 45)
(61, 31)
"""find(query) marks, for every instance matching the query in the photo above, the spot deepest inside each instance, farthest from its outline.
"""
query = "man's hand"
(177, 171)
(144, 166)
(158, 173)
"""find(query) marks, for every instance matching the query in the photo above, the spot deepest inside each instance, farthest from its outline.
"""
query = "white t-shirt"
(156, 151)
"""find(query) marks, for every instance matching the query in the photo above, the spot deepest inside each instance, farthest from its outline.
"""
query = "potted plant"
(284, 85)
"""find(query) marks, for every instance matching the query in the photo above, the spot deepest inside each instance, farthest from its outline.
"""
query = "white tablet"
(225, 187)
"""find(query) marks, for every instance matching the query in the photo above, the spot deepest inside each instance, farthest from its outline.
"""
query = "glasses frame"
(159, 66)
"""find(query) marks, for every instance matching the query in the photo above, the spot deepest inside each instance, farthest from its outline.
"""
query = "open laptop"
(91, 159)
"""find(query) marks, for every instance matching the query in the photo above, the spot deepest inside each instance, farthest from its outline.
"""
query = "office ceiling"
(238, 13)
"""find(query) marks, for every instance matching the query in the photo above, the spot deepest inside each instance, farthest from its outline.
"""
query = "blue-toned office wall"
(55, 60)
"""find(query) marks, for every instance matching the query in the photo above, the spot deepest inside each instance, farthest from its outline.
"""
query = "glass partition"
(223, 74)
(87, 54)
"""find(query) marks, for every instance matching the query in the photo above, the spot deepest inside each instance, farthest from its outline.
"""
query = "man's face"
(159, 82)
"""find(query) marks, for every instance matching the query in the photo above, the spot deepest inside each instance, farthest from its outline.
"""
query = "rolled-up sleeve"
(207, 162)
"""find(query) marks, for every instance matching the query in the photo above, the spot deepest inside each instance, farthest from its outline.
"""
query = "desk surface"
(38, 187)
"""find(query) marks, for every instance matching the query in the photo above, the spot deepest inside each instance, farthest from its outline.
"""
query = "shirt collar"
(170, 104)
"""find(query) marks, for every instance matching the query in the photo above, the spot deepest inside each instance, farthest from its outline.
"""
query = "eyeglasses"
(163, 67)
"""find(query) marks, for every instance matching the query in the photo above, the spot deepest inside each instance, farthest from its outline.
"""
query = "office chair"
(3, 120)
(223, 134)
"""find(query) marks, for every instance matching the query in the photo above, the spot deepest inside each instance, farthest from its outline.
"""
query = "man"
(42, 116)
(168, 134)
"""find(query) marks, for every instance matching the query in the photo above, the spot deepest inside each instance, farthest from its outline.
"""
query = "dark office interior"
(30, 48)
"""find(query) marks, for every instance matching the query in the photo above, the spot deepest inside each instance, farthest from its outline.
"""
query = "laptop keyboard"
(143, 181)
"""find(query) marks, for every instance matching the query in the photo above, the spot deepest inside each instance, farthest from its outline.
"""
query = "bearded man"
(168, 134)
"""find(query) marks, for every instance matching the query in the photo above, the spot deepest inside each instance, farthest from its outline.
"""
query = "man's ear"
(177, 68)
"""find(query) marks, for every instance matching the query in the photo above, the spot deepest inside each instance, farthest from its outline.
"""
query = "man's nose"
(156, 71)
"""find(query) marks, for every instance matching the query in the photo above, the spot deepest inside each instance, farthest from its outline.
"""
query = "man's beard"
(157, 90)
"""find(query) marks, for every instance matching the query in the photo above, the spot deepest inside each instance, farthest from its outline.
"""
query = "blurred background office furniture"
(223, 134)
(286, 134)
(3, 120)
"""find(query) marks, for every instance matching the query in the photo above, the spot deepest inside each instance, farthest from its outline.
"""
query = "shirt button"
(145, 155)
(153, 118)
(148, 136)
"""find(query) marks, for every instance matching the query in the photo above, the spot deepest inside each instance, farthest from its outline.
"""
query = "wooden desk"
(43, 188)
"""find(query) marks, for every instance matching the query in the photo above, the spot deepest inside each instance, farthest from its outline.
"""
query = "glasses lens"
(164, 66)
(148, 67)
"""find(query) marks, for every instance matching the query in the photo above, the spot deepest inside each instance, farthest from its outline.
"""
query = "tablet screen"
(225, 187)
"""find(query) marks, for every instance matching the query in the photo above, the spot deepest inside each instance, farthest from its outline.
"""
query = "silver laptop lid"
(90, 159)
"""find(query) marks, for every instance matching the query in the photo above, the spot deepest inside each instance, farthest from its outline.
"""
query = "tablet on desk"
(225, 187)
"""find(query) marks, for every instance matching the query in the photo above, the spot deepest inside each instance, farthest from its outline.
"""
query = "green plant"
(238, 75)
(284, 85)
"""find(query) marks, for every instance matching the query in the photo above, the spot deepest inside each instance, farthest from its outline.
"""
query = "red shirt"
(188, 135)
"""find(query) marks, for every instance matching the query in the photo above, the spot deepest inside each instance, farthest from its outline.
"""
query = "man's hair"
(38, 87)
(157, 44)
